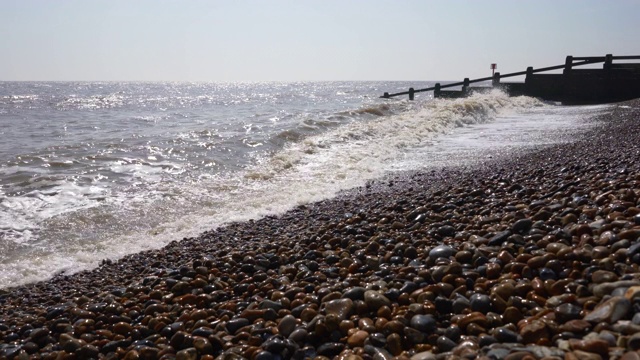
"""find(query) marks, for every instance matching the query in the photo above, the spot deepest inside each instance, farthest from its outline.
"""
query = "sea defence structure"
(614, 81)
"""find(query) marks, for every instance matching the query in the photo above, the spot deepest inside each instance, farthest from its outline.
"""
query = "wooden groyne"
(613, 82)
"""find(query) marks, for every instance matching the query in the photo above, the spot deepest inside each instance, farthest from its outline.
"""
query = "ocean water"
(91, 170)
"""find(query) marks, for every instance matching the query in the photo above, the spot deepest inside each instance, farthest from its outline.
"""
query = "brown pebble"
(512, 315)
(584, 355)
(393, 326)
(132, 355)
(394, 344)
(493, 271)
(308, 314)
(504, 290)
(357, 339)
(518, 355)
(342, 308)
(630, 355)
(591, 345)
(366, 324)
(632, 293)
(202, 345)
(122, 328)
(474, 317)
(534, 332)
(384, 312)
(576, 326)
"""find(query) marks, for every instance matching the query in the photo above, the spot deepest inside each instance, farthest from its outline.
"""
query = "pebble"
(600, 290)
(424, 355)
(597, 346)
(275, 344)
(505, 335)
(610, 310)
(441, 251)
(375, 300)
(342, 307)
(354, 293)
(534, 332)
(423, 323)
(633, 342)
(377, 339)
(357, 339)
(236, 324)
(499, 238)
(633, 293)
(630, 355)
(330, 349)
(287, 325)
(480, 302)
(583, 355)
(445, 344)
(566, 312)
(522, 226)
(603, 276)
(187, 354)
(298, 335)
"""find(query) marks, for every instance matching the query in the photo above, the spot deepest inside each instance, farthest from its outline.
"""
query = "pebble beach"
(531, 256)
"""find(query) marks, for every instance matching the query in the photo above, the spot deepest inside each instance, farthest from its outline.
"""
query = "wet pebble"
(566, 312)
(330, 349)
(610, 310)
(441, 251)
(343, 307)
(286, 325)
(480, 302)
(505, 335)
(375, 300)
(423, 323)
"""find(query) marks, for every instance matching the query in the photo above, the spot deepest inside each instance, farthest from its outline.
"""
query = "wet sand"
(531, 256)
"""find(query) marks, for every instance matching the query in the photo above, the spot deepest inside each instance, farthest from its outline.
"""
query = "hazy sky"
(247, 40)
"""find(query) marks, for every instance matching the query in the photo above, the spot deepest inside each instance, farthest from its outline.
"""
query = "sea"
(98, 170)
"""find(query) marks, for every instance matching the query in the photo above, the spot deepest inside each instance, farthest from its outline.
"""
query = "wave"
(289, 135)
(383, 138)
(378, 110)
(313, 124)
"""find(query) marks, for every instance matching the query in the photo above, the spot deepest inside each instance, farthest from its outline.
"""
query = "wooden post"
(607, 86)
(527, 79)
(496, 79)
(568, 63)
(608, 60)
(436, 91)
(568, 86)
(411, 93)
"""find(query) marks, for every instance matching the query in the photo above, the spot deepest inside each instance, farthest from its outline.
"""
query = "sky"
(297, 40)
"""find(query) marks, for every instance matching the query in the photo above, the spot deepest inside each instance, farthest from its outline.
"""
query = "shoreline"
(535, 254)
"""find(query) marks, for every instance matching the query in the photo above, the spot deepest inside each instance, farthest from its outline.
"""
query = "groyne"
(614, 81)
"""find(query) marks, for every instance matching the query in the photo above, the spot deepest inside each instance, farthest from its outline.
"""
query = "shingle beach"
(532, 256)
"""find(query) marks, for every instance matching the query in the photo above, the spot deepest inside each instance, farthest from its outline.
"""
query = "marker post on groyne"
(613, 82)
